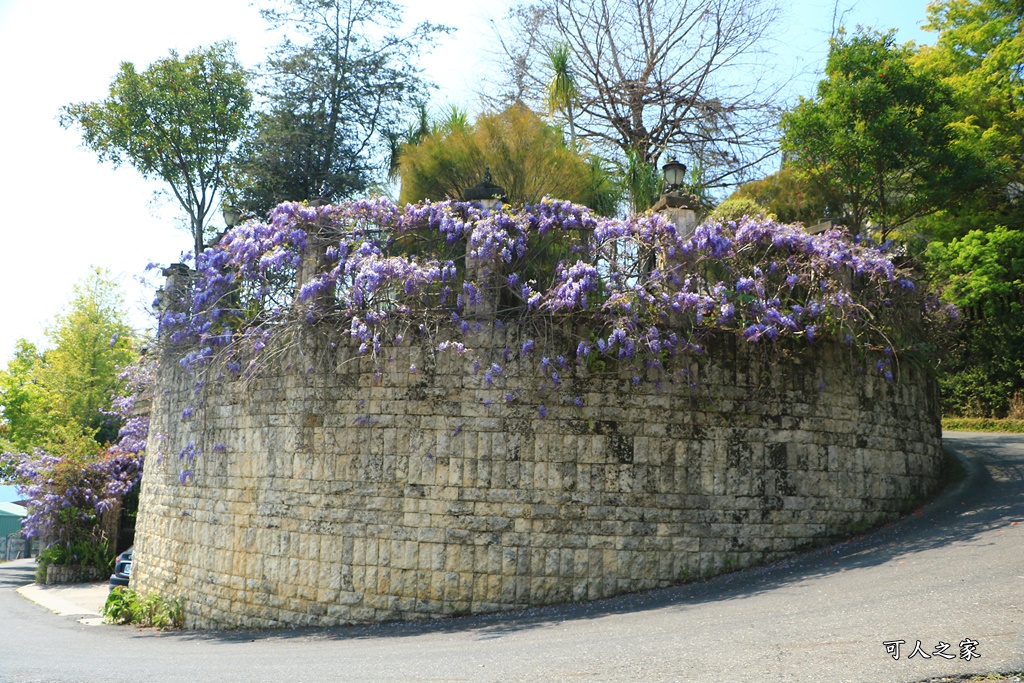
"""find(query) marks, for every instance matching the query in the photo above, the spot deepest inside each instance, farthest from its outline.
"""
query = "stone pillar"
(491, 197)
(312, 262)
(170, 298)
(174, 296)
(680, 210)
(685, 220)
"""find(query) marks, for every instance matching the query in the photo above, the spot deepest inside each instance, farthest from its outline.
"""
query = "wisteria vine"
(67, 494)
(633, 291)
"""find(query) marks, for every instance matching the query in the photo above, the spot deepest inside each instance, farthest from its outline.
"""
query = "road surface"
(952, 573)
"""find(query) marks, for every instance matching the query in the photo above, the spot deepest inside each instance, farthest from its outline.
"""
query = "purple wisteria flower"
(626, 293)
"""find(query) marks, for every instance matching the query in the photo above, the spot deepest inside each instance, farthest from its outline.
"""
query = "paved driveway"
(952, 573)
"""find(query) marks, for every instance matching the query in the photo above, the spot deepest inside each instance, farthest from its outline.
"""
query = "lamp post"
(679, 209)
(231, 215)
(486, 193)
(675, 174)
(231, 218)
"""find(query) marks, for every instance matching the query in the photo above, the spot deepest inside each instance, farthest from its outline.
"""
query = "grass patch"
(982, 424)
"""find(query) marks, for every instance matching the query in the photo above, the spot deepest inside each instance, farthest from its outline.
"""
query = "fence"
(14, 547)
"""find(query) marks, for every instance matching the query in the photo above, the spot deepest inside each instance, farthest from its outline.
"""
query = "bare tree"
(683, 76)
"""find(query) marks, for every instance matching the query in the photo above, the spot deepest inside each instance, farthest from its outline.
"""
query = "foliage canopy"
(984, 272)
(789, 197)
(335, 89)
(979, 55)
(176, 121)
(876, 137)
(526, 156)
(59, 399)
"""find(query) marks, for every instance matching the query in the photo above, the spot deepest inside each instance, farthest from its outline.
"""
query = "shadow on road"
(17, 574)
(991, 497)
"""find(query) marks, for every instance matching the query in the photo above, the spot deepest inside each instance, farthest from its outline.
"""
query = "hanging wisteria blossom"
(632, 289)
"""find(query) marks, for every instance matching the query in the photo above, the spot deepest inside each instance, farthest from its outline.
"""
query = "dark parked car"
(122, 568)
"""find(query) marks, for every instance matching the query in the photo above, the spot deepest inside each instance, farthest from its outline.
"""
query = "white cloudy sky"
(63, 213)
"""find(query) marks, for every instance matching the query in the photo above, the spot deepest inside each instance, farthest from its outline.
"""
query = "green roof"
(12, 510)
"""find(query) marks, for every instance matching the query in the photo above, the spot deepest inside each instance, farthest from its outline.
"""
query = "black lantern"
(678, 208)
(485, 192)
(675, 174)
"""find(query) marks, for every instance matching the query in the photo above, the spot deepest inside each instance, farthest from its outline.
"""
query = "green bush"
(735, 208)
(92, 552)
(982, 371)
(982, 424)
(125, 606)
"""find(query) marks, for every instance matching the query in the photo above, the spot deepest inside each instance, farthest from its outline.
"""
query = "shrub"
(125, 606)
(735, 208)
(88, 552)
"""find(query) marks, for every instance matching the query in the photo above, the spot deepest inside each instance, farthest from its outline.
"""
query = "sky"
(64, 213)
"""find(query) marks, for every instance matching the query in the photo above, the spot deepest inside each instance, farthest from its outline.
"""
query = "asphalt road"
(950, 573)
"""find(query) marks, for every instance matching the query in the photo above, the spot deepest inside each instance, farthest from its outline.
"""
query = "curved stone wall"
(323, 493)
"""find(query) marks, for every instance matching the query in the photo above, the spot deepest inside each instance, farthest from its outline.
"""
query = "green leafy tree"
(58, 399)
(789, 197)
(92, 342)
(23, 401)
(876, 137)
(175, 121)
(526, 156)
(399, 141)
(984, 276)
(34, 415)
(641, 182)
(979, 55)
(337, 89)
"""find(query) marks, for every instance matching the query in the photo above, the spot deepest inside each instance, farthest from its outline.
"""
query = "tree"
(526, 156)
(876, 136)
(979, 55)
(32, 414)
(175, 121)
(333, 98)
(58, 400)
(92, 342)
(23, 401)
(399, 141)
(562, 91)
(653, 75)
(789, 197)
(983, 272)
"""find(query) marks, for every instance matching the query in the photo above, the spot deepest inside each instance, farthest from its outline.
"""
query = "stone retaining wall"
(74, 573)
(323, 494)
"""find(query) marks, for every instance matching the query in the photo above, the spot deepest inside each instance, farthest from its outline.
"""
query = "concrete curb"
(82, 600)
